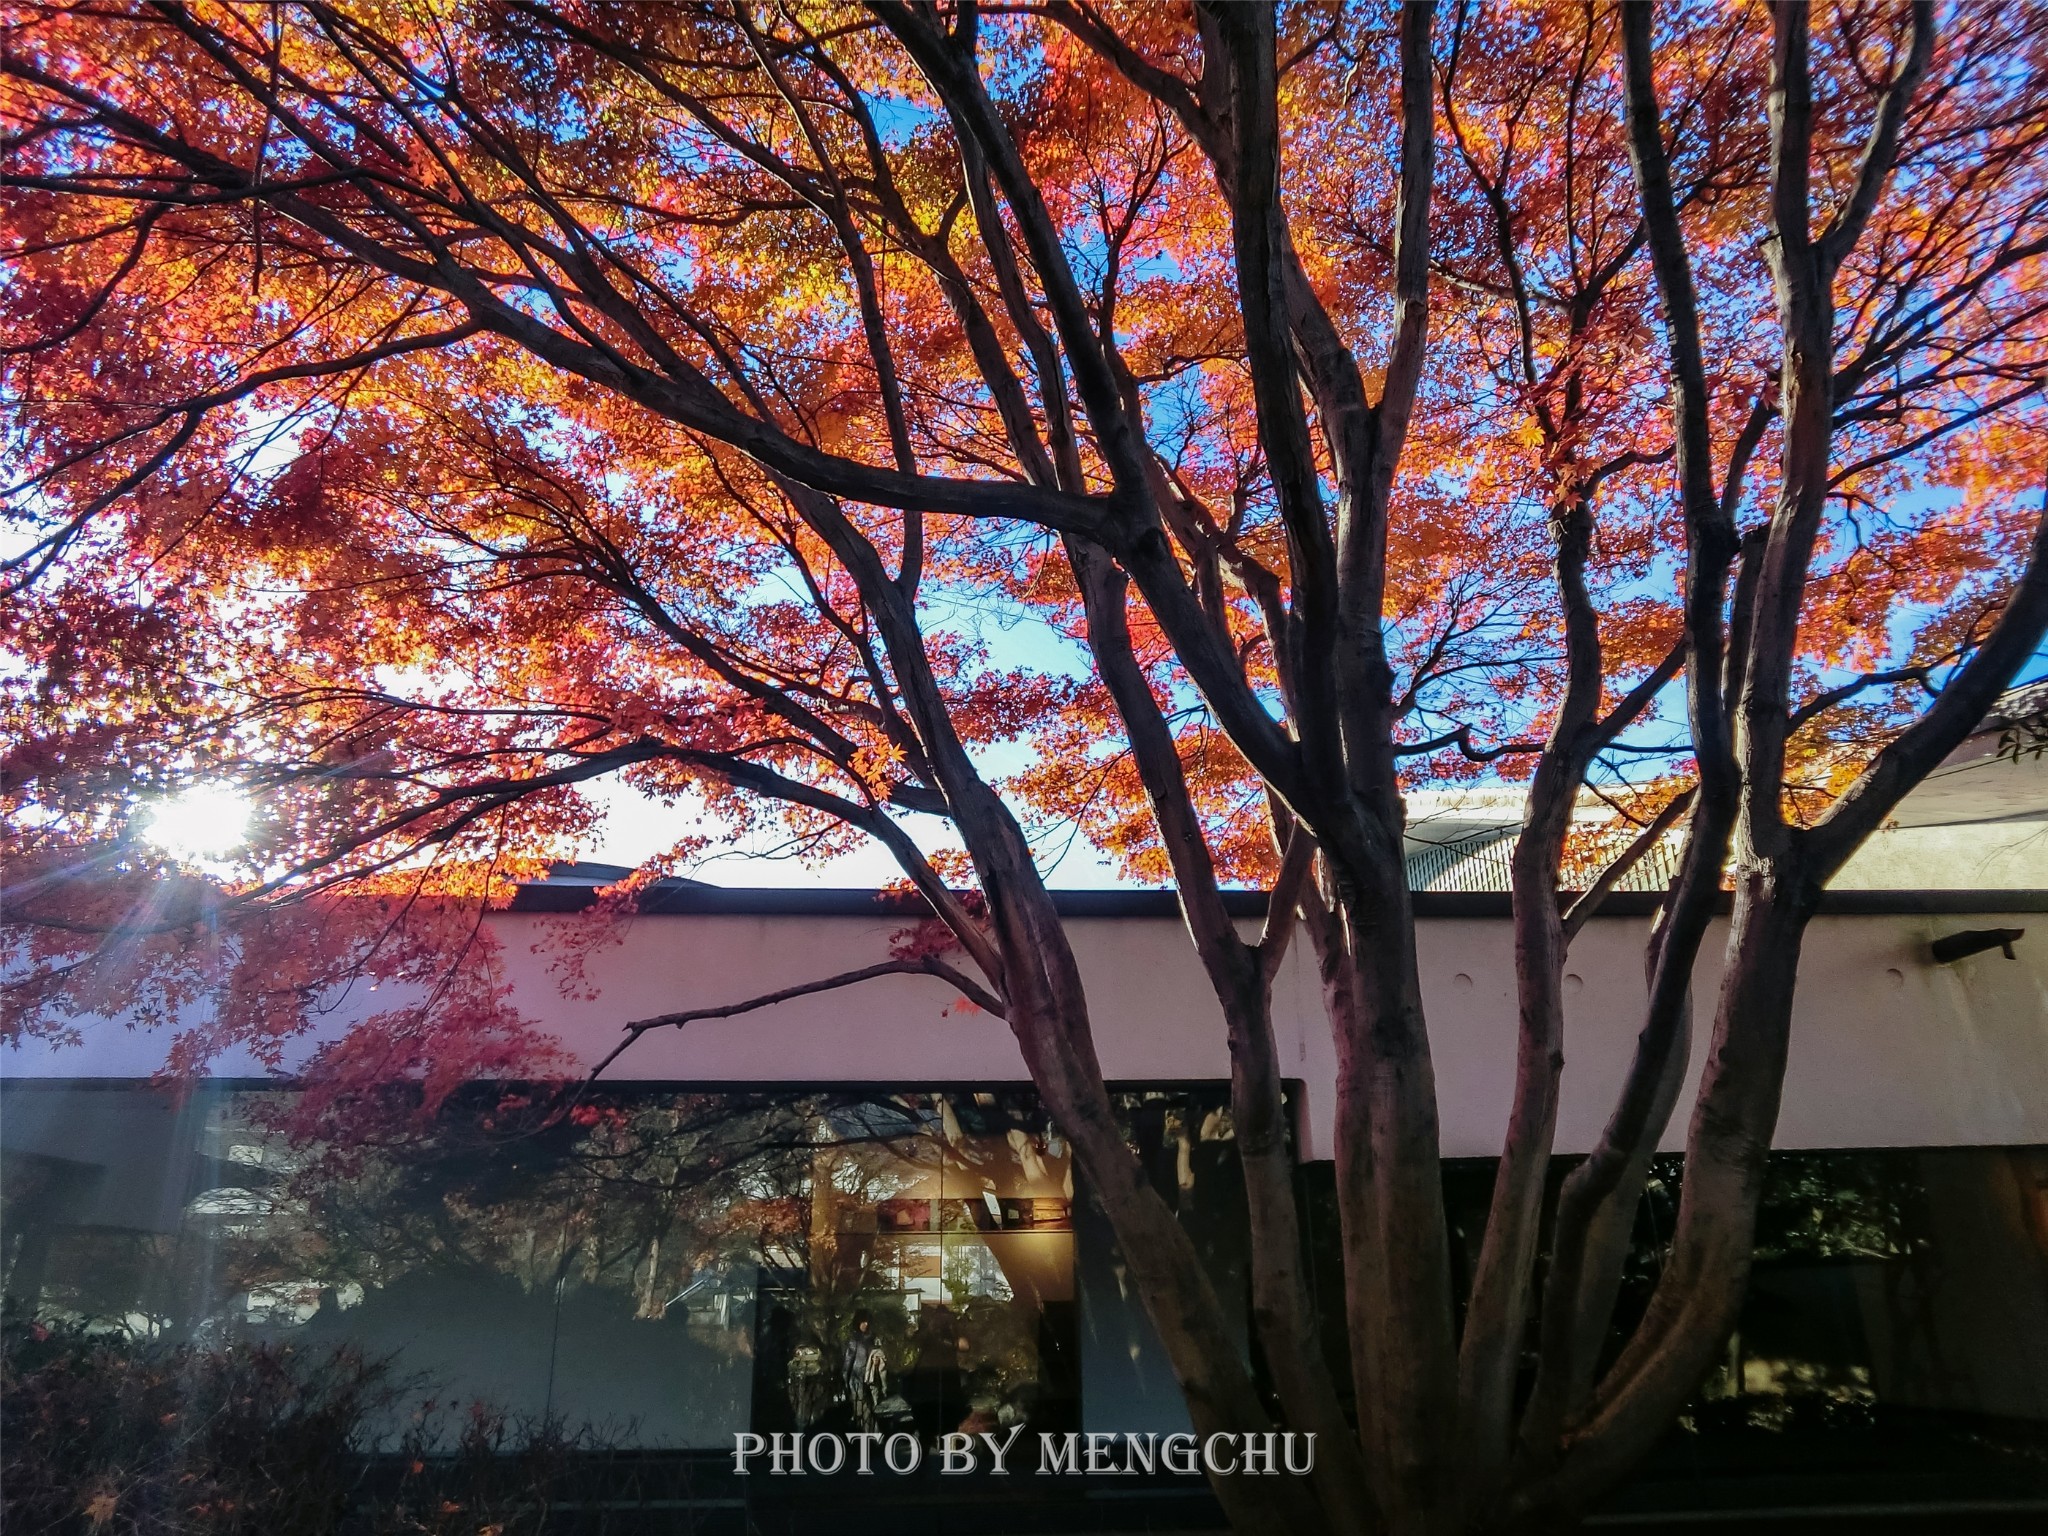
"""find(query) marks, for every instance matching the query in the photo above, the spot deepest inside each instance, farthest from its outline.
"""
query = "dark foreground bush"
(101, 1434)
(107, 1436)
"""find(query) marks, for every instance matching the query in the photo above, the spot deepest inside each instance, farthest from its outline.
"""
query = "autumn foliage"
(418, 412)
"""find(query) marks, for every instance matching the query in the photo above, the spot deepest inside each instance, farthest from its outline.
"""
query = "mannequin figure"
(865, 1369)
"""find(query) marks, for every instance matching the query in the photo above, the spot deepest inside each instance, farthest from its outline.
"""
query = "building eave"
(667, 899)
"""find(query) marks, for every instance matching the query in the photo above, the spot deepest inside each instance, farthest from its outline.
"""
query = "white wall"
(1973, 856)
(1888, 1048)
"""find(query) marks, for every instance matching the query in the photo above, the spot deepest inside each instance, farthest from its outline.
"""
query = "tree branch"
(1821, 703)
(1912, 755)
(1590, 900)
(922, 965)
(1880, 151)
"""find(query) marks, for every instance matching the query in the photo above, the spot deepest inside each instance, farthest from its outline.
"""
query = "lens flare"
(207, 821)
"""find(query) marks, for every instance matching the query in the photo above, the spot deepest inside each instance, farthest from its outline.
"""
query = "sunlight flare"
(205, 822)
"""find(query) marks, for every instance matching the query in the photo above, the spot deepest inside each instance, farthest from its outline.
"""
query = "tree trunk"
(1397, 1287)
(1700, 1291)
(1241, 977)
(1171, 1283)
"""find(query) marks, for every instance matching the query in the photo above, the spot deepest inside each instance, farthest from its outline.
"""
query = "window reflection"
(1893, 1341)
(667, 1267)
(656, 1269)
(932, 1287)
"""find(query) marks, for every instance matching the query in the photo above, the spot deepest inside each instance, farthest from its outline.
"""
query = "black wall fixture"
(1950, 948)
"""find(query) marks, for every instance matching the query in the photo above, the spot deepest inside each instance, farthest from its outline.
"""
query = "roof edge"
(664, 900)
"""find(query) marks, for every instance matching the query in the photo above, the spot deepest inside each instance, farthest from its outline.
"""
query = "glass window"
(925, 1278)
(660, 1267)
(649, 1270)
(1186, 1144)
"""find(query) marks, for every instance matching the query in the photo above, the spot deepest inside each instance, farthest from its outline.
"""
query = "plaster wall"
(1971, 856)
(1888, 1048)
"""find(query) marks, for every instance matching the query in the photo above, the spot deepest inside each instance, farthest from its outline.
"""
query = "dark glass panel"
(1893, 1344)
(929, 1284)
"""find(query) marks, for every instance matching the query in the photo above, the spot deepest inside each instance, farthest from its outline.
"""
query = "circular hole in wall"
(1574, 982)
(1462, 982)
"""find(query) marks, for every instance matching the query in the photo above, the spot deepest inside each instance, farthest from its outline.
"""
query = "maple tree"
(422, 410)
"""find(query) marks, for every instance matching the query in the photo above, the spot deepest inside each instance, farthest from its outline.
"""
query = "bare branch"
(1880, 152)
(1821, 703)
(1461, 738)
(1590, 900)
(1912, 755)
(1297, 870)
(921, 965)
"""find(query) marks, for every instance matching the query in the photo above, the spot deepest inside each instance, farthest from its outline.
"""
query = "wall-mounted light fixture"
(1952, 947)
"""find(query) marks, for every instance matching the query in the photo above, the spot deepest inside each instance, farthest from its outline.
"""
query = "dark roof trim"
(694, 900)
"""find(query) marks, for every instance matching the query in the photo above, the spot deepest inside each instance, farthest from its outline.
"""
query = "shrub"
(106, 1434)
